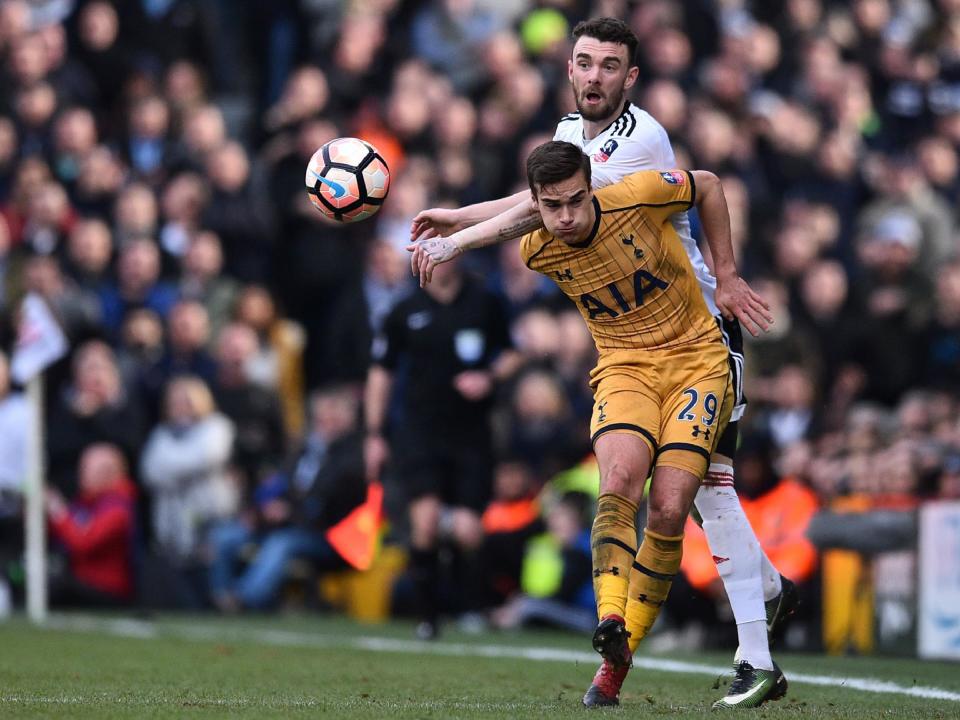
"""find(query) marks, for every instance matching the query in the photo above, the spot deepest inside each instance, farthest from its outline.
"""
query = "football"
(347, 180)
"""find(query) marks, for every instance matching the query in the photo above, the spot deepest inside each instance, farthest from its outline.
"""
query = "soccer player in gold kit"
(662, 385)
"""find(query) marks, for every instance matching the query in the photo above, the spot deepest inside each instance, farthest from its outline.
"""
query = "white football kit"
(634, 142)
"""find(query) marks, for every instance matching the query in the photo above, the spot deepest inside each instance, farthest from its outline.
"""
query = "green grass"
(241, 672)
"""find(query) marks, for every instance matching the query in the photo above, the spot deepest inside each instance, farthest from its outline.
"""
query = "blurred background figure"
(96, 532)
(184, 470)
(322, 483)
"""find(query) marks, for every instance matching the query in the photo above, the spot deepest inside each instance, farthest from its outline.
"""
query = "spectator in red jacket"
(96, 531)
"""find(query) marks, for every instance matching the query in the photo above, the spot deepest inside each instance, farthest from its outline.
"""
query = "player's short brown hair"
(554, 162)
(608, 29)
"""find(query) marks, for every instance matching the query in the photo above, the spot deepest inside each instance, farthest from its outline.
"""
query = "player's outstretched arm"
(734, 297)
(515, 222)
(436, 222)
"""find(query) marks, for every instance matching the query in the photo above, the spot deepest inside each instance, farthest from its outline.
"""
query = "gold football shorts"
(677, 400)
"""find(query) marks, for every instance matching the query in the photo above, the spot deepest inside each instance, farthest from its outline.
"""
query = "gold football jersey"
(631, 278)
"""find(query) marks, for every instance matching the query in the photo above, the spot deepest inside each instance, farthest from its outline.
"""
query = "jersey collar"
(593, 231)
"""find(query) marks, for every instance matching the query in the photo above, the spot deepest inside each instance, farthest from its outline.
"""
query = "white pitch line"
(287, 638)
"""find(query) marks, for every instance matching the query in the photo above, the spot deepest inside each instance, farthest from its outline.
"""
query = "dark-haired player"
(620, 138)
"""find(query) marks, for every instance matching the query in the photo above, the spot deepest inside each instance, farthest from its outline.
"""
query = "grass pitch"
(330, 668)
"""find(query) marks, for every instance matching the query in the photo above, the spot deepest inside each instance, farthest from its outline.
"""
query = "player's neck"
(592, 128)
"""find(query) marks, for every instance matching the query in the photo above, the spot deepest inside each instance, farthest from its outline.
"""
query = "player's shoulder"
(637, 125)
(570, 128)
(647, 188)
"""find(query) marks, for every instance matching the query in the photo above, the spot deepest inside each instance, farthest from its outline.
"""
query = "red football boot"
(604, 691)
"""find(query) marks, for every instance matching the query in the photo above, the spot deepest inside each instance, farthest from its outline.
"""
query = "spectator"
(185, 471)
(89, 251)
(94, 407)
(135, 214)
(255, 410)
(99, 51)
(542, 429)
(202, 279)
(182, 203)
(279, 362)
(138, 285)
(362, 310)
(75, 136)
(96, 531)
(237, 214)
(49, 220)
(896, 294)
(76, 309)
(906, 193)
(557, 583)
(509, 521)
(322, 484)
(942, 341)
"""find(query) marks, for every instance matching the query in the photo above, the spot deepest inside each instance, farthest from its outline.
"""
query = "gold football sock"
(613, 539)
(657, 562)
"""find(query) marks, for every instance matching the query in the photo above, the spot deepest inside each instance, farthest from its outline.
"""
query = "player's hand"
(375, 454)
(433, 223)
(427, 254)
(473, 384)
(736, 299)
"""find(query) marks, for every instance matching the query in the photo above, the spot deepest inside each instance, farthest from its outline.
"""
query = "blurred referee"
(446, 346)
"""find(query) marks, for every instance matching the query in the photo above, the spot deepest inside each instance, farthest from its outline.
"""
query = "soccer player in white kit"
(621, 139)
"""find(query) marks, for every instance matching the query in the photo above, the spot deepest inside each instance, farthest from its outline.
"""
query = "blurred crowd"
(152, 156)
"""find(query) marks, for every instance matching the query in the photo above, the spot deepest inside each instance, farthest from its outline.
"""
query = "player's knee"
(618, 479)
(665, 518)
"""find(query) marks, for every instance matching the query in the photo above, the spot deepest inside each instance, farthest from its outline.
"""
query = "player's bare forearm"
(437, 222)
(734, 297)
(715, 218)
(480, 212)
(515, 222)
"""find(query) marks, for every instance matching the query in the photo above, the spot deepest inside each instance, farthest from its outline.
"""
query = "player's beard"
(603, 111)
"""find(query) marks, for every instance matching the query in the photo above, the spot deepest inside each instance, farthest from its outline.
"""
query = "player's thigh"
(626, 403)
(695, 415)
(624, 461)
(672, 492)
